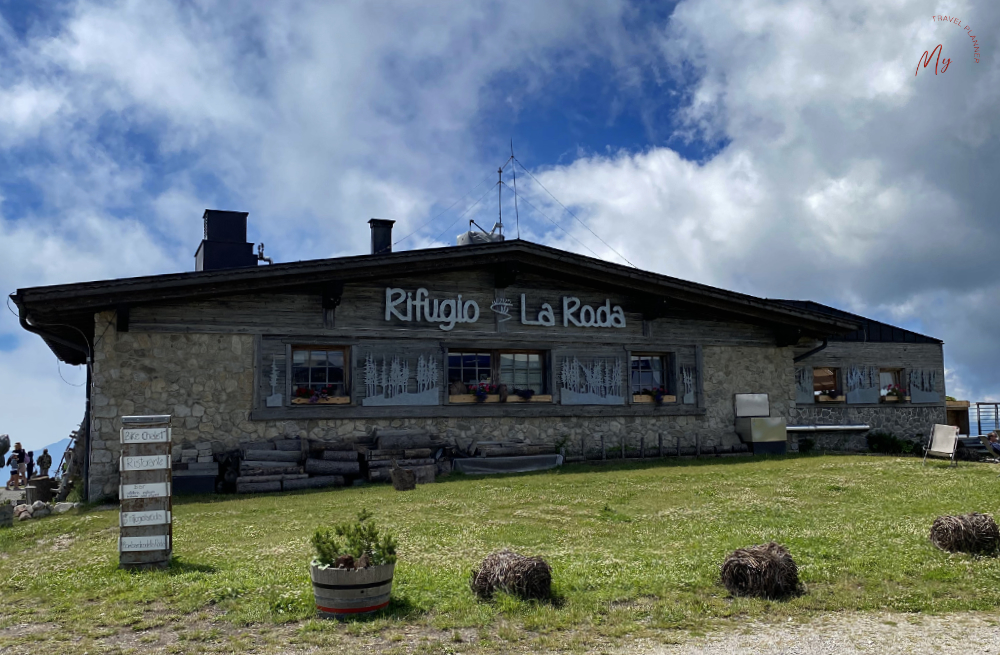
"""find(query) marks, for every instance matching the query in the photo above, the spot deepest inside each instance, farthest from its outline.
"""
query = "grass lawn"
(635, 551)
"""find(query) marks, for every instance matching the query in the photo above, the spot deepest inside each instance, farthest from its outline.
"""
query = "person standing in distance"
(22, 464)
(44, 463)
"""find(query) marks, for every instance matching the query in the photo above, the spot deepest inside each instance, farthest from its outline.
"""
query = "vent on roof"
(225, 244)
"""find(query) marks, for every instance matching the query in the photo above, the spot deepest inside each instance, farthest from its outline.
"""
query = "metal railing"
(986, 416)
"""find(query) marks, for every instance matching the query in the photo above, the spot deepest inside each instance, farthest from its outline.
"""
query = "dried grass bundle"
(526, 577)
(767, 570)
(969, 533)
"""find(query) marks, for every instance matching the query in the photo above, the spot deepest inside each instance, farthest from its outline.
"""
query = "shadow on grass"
(589, 466)
(398, 609)
(511, 604)
(629, 464)
(179, 567)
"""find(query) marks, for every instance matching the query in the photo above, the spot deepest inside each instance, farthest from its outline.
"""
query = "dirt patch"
(824, 634)
(848, 633)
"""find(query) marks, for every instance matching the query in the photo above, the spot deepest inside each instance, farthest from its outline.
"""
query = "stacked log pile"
(195, 460)
(289, 464)
(416, 450)
(267, 465)
(332, 466)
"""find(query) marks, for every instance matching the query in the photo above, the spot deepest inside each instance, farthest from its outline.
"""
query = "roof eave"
(97, 295)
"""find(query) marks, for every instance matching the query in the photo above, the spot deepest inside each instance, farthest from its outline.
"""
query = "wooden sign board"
(146, 490)
(142, 544)
(146, 435)
(145, 525)
(145, 463)
(153, 517)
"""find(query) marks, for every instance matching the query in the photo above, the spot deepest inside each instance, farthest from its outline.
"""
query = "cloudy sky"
(780, 148)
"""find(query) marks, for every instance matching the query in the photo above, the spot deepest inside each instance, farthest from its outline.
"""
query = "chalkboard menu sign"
(146, 529)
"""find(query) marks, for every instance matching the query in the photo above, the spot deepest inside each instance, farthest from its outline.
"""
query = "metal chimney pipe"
(381, 235)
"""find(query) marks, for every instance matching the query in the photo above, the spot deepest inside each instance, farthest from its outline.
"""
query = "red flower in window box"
(481, 390)
(895, 391)
(657, 393)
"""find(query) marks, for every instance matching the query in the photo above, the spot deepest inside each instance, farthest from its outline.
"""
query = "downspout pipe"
(22, 318)
(812, 352)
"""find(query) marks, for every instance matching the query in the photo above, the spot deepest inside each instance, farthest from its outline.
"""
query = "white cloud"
(129, 118)
(846, 179)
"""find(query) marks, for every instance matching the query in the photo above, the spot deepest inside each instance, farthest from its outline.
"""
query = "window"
(650, 372)
(826, 382)
(319, 370)
(888, 377)
(518, 369)
(470, 367)
(523, 370)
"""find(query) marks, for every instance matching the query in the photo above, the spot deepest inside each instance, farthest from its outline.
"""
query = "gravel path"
(835, 633)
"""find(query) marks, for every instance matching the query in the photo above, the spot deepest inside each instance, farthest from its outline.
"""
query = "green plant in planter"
(358, 538)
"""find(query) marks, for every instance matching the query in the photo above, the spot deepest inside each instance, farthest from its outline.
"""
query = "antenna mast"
(499, 203)
(513, 170)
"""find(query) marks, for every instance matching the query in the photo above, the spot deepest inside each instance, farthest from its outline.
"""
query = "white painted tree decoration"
(390, 383)
(371, 376)
(275, 399)
(427, 374)
(601, 382)
(923, 386)
(274, 376)
(687, 381)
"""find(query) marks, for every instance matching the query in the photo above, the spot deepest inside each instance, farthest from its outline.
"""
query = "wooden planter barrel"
(343, 592)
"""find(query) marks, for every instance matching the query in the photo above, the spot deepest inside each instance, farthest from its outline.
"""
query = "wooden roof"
(869, 330)
(63, 314)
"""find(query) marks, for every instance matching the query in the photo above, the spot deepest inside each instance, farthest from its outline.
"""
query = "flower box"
(537, 398)
(471, 398)
(646, 398)
(332, 400)
(830, 399)
(895, 399)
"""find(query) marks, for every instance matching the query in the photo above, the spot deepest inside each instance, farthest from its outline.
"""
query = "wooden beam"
(505, 275)
(121, 318)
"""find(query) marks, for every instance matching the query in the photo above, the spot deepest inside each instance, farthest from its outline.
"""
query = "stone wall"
(205, 381)
(904, 421)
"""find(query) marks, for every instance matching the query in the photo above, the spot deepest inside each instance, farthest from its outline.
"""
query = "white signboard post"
(146, 528)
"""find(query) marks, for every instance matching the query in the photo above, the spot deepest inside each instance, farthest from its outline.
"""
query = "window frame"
(668, 368)
(545, 396)
(347, 367)
(470, 351)
(897, 374)
(542, 360)
(838, 389)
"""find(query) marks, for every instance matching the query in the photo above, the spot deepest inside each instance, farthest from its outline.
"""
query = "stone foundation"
(904, 421)
(911, 422)
(206, 382)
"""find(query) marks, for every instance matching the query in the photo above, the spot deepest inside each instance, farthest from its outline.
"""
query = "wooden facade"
(395, 322)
